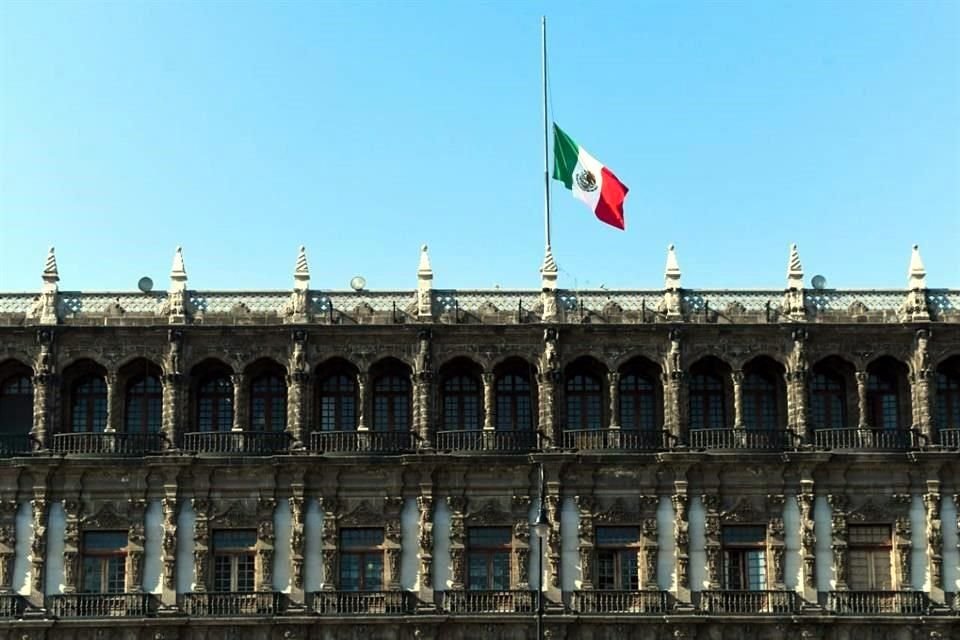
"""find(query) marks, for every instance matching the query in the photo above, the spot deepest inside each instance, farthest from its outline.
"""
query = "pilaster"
(488, 401)
(736, 378)
(239, 381)
(458, 541)
(861, 377)
(328, 536)
(586, 538)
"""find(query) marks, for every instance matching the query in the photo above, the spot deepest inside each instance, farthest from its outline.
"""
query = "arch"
(640, 394)
(142, 395)
(515, 392)
(85, 389)
(528, 360)
(585, 394)
(16, 398)
(947, 393)
(764, 394)
(211, 385)
(888, 394)
(267, 400)
(337, 396)
(461, 395)
(391, 394)
(709, 394)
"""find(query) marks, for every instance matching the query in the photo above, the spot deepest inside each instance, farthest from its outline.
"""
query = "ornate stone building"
(312, 464)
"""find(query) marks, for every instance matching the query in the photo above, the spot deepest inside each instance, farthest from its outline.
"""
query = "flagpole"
(546, 149)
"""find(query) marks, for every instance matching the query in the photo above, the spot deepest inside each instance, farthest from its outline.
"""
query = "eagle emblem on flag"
(586, 181)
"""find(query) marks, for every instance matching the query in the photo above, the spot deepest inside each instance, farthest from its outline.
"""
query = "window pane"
(606, 572)
(234, 539)
(501, 571)
(744, 535)
(617, 535)
(91, 574)
(489, 536)
(628, 570)
(350, 572)
(105, 541)
(245, 570)
(477, 571)
(221, 573)
(373, 572)
(361, 538)
(756, 570)
(116, 574)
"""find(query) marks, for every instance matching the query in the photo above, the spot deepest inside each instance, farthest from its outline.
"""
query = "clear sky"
(241, 130)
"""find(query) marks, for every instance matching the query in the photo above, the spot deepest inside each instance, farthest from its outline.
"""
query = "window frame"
(881, 388)
(273, 401)
(361, 552)
(490, 553)
(16, 404)
(759, 395)
(822, 397)
(338, 391)
(514, 401)
(617, 553)
(148, 399)
(94, 413)
(736, 555)
(462, 405)
(948, 400)
(709, 390)
(234, 554)
(390, 390)
(643, 401)
(104, 558)
(579, 391)
(872, 551)
(217, 390)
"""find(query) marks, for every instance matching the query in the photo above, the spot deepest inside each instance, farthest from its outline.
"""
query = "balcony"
(749, 602)
(628, 602)
(876, 439)
(212, 605)
(615, 439)
(12, 606)
(869, 603)
(15, 444)
(246, 443)
(753, 439)
(950, 438)
(460, 602)
(501, 441)
(107, 443)
(362, 603)
(361, 441)
(101, 605)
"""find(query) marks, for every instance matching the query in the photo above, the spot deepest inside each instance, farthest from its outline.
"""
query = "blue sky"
(241, 130)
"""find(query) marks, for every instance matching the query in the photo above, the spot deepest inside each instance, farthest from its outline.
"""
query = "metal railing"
(260, 603)
(107, 443)
(489, 601)
(351, 603)
(12, 605)
(646, 601)
(889, 439)
(101, 605)
(487, 440)
(949, 438)
(250, 443)
(749, 602)
(15, 444)
(616, 439)
(361, 441)
(910, 603)
(758, 439)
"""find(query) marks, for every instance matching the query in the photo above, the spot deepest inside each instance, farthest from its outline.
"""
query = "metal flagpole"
(546, 137)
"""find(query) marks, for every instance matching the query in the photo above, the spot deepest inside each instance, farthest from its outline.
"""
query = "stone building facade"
(480, 464)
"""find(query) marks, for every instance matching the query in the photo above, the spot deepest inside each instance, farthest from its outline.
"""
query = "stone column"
(586, 506)
(796, 380)
(172, 409)
(861, 377)
(329, 505)
(297, 518)
(904, 549)
(921, 376)
(458, 540)
(44, 388)
(71, 545)
(297, 383)
(8, 542)
(549, 430)
(681, 530)
(169, 546)
(114, 402)
(931, 502)
(711, 507)
(488, 401)
(240, 421)
(136, 541)
(266, 541)
(736, 378)
(38, 547)
(393, 541)
(201, 541)
(425, 505)
(521, 553)
(613, 384)
(806, 499)
(650, 550)
(553, 504)
(776, 533)
(838, 506)
(424, 383)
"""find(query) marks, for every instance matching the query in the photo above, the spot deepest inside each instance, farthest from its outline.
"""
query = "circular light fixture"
(819, 283)
(357, 283)
(145, 284)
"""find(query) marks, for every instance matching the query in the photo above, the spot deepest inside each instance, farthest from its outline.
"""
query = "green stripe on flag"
(565, 156)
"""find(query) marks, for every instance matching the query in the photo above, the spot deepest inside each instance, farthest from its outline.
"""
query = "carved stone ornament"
(362, 514)
(871, 511)
(235, 515)
(617, 512)
(106, 518)
(743, 511)
(489, 513)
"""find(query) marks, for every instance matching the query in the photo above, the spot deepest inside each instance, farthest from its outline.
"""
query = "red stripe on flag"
(610, 207)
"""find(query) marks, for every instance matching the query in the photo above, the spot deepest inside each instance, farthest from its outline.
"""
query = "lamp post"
(541, 528)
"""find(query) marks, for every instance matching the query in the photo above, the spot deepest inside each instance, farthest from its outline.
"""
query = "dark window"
(361, 559)
(338, 403)
(234, 558)
(744, 558)
(948, 401)
(391, 404)
(869, 554)
(461, 404)
(617, 549)
(584, 402)
(514, 403)
(16, 405)
(882, 403)
(215, 404)
(759, 402)
(638, 403)
(144, 405)
(707, 404)
(828, 401)
(104, 562)
(88, 407)
(268, 404)
(488, 558)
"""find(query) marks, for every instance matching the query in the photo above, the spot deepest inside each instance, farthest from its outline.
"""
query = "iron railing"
(616, 439)
(601, 601)
(108, 443)
(487, 440)
(249, 443)
(12, 605)
(757, 439)
(15, 444)
(749, 602)
(949, 438)
(889, 439)
(101, 605)
(910, 603)
(353, 603)
(260, 603)
(361, 441)
(489, 601)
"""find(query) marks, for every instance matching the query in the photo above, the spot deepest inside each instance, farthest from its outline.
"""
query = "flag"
(589, 180)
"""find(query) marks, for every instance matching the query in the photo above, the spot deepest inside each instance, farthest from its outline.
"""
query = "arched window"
(338, 403)
(268, 403)
(584, 402)
(759, 402)
(828, 401)
(883, 405)
(461, 403)
(16, 405)
(948, 398)
(144, 405)
(638, 403)
(88, 405)
(514, 403)
(391, 403)
(707, 404)
(215, 404)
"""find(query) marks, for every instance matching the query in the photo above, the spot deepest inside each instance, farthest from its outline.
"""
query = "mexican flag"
(589, 180)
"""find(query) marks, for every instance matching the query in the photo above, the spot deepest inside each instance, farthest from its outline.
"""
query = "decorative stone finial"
(917, 273)
(793, 300)
(298, 308)
(178, 272)
(424, 285)
(915, 306)
(50, 273)
(672, 272)
(794, 269)
(301, 274)
(177, 295)
(548, 286)
(46, 307)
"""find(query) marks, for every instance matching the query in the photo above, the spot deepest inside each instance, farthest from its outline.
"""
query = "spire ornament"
(297, 310)
(177, 295)
(671, 284)
(46, 307)
(424, 286)
(793, 300)
(548, 286)
(915, 307)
